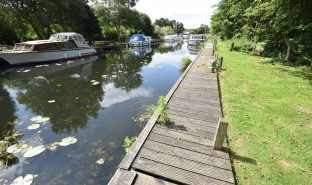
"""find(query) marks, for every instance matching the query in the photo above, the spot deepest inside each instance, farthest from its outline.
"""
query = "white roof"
(67, 33)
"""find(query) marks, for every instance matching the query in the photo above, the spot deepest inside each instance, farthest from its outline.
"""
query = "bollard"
(220, 134)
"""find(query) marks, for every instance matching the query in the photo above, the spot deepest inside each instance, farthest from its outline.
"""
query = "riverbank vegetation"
(280, 28)
(269, 108)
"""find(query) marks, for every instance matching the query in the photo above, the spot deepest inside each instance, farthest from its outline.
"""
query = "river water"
(65, 123)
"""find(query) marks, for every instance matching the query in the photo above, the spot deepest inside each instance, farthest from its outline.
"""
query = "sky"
(191, 13)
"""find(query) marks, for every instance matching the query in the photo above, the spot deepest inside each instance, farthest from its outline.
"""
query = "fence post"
(221, 62)
(232, 46)
(220, 134)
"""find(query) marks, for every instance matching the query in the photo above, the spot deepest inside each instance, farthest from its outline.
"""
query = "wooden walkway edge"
(181, 152)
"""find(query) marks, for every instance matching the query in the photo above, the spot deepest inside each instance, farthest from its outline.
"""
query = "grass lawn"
(269, 107)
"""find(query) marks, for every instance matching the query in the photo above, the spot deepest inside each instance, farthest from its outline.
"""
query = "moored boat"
(171, 38)
(139, 40)
(61, 46)
(196, 39)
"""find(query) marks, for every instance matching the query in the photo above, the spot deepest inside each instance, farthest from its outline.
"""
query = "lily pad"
(13, 149)
(114, 76)
(40, 119)
(33, 151)
(104, 76)
(27, 180)
(95, 83)
(51, 101)
(40, 78)
(75, 76)
(68, 141)
(33, 126)
(100, 161)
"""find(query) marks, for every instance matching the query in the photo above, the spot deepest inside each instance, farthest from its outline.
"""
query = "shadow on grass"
(244, 159)
(302, 71)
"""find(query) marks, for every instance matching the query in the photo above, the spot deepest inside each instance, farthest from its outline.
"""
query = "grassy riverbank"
(269, 107)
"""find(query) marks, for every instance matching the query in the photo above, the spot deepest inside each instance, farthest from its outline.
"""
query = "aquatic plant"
(146, 114)
(163, 107)
(129, 142)
(149, 110)
(27, 180)
(186, 61)
(68, 141)
(33, 151)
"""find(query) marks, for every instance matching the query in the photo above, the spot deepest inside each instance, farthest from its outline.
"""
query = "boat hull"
(139, 43)
(28, 58)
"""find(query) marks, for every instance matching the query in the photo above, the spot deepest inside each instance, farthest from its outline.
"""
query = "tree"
(285, 25)
(173, 24)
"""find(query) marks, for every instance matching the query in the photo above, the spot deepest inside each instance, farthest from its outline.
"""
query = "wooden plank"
(193, 127)
(186, 130)
(199, 91)
(185, 164)
(198, 100)
(182, 136)
(122, 177)
(184, 102)
(199, 111)
(207, 123)
(188, 154)
(220, 134)
(194, 116)
(176, 174)
(144, 179)
(208, 150)
(130, 156)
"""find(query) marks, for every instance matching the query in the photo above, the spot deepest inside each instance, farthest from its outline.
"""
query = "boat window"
(27, 47)
(53, 37)
(138, 38)
(46, 47)
(62, 37)
(18, 47)
(75, 38)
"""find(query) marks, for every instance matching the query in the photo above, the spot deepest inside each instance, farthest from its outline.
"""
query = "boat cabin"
(60, 41)
(198, 37)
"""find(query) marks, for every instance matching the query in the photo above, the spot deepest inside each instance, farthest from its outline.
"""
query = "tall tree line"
(40, 18)
(176, 27)
(285, 25)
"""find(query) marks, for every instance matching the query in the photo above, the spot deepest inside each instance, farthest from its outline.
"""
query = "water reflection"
(141, 51)
(93, 100)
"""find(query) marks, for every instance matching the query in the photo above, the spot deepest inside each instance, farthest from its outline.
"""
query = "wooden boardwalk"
(181, 153)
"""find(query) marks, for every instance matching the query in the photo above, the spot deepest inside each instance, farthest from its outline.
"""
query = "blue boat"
(139, 40)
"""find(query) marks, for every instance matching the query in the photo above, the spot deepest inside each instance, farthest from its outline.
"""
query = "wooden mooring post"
(220, 134)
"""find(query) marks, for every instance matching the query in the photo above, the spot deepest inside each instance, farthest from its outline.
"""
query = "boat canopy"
(70, 36)
(137, 37)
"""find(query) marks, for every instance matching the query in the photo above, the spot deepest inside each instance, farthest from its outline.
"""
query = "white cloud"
(115, 95)
(191, 13)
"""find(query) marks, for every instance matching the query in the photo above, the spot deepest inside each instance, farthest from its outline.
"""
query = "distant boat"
(172, 38)
(61, 46)
(196, 39)
(139, 40)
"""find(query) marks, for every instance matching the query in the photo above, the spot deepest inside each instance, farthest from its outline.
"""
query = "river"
(65, 123)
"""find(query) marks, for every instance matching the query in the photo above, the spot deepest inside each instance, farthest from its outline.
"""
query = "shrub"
(129, 142)
(186, 61)
(162, 105)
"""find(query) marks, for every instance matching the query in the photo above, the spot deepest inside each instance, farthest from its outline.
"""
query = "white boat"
(171, 38)
(60, 47)
(196, 39)
(139, 40)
